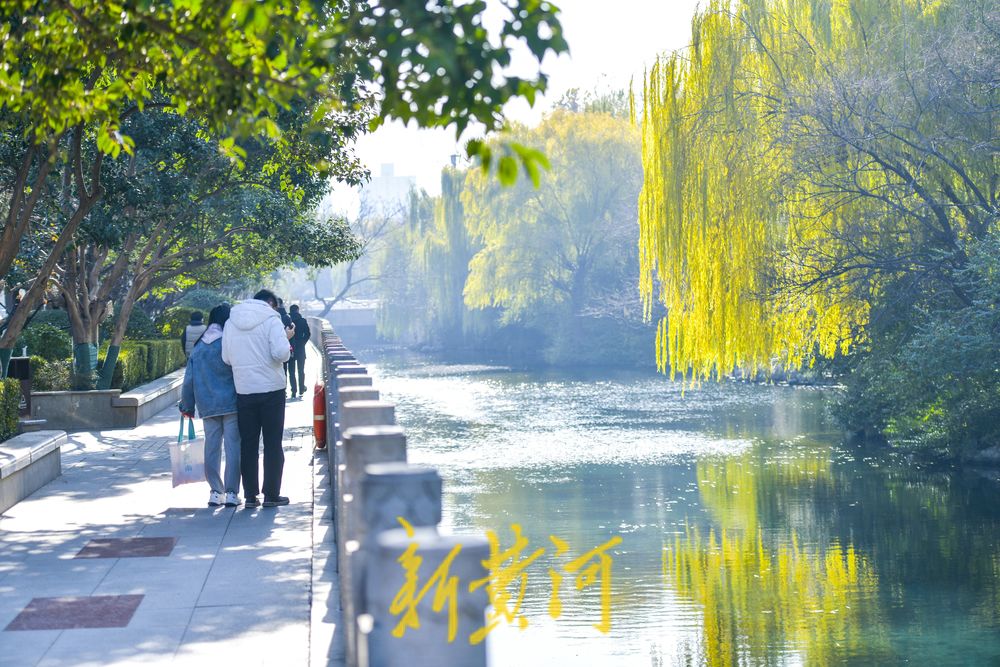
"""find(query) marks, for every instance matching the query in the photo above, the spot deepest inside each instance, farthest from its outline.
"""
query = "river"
(750, 534)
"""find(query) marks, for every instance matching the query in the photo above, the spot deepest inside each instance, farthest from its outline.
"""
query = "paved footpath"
(202, 586)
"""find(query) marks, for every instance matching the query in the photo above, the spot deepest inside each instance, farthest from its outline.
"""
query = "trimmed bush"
(146, 360)
(172, 322)
(45, 340)
(131, 370)
(10, 401)
(50, 375)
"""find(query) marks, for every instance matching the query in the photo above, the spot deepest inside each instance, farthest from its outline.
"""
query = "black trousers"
(257, 415)
(297, 361)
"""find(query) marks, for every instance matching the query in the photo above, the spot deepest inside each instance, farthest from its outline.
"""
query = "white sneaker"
(214, 499)
(232, 500)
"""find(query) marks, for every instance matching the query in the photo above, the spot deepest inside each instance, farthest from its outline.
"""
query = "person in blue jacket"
(209, 387)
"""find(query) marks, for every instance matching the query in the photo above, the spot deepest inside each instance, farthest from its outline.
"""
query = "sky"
(610, 44)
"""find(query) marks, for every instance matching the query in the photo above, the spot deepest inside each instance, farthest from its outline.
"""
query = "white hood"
(250, 314)
(255, 345)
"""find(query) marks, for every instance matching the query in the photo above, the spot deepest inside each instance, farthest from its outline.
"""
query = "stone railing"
(372, 486)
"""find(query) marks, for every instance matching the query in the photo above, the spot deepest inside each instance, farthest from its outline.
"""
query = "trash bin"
(20, 369)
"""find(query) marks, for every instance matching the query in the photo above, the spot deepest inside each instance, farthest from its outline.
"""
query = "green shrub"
(140, 326)
(10, 401)
(172, 322)
(133, 360)
(50, 375)
(143, 361)
(931, 381)
(203, 300)
(45, 340)
(57, 318)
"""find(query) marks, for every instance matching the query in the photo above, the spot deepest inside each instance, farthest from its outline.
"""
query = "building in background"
(387, 193)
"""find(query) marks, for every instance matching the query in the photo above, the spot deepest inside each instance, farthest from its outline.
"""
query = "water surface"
(750, 534)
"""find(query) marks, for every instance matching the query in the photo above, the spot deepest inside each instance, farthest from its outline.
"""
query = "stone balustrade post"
(429, 645)
(363, 445)
(354, 414)
(386, 492)
(344, 382)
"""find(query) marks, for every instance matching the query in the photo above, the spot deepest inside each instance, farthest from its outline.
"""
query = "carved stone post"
(428, 645)
(343, 382)
(388, 491)
(362, 446)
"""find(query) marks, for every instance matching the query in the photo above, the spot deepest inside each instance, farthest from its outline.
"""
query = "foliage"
(301, 80)
(51, 375)
(801, 157)
(140, 326)
(132, 364)
(172, 322)
(533, 273)
(238, 64)
(559, 243)
(143, 361)
(204, 299)
(54, 317)
(164, 356)
(933, 381)
(10, 400)
(47, 341)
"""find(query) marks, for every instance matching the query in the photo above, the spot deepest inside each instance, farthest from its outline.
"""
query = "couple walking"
(235, 377)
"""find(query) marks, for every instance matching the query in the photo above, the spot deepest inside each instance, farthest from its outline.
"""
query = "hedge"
(143, 361)
(10, 401)
(50, 375)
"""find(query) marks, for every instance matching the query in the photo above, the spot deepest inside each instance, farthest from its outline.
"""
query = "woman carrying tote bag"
(208, 386)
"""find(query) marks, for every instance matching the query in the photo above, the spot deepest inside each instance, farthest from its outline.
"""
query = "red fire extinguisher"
(319, 415)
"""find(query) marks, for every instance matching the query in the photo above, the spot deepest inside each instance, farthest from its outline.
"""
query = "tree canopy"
(802, 161)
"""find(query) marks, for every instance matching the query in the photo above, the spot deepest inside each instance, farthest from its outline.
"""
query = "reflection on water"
(751, 536)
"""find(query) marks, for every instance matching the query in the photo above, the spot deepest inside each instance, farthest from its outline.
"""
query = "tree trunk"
(38, 286)
(117, 336)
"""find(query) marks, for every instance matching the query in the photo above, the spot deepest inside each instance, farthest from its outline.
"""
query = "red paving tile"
(97, 611)
(128, 547)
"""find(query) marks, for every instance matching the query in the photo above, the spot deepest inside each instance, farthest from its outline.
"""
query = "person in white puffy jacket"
(255, 345)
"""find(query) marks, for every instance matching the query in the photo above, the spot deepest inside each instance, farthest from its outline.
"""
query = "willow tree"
(555, 244)
(800, 159)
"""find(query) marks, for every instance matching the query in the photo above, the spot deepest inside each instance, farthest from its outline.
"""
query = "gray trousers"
(215, 429)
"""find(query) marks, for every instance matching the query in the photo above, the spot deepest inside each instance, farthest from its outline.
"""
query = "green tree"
(801, 161)
(72, 73)
(556, 244)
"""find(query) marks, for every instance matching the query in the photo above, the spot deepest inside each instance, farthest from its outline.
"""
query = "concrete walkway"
(221, 586)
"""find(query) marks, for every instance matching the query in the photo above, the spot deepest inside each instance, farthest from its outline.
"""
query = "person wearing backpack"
(209, 387)
(192, 332)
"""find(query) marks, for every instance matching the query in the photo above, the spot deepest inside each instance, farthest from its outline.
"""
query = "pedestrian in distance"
(286, 321)
(209, 388)
(255, 345)
(297, 364)
(192, 332)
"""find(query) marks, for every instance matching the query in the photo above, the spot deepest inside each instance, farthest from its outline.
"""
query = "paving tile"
(25, 648)
(247, 635)
(47, 576)
(275, 576)
(128, 547)
(99, 611)
(166, 583)
(151, 638)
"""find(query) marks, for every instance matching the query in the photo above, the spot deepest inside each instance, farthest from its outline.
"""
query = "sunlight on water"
(750, 535)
